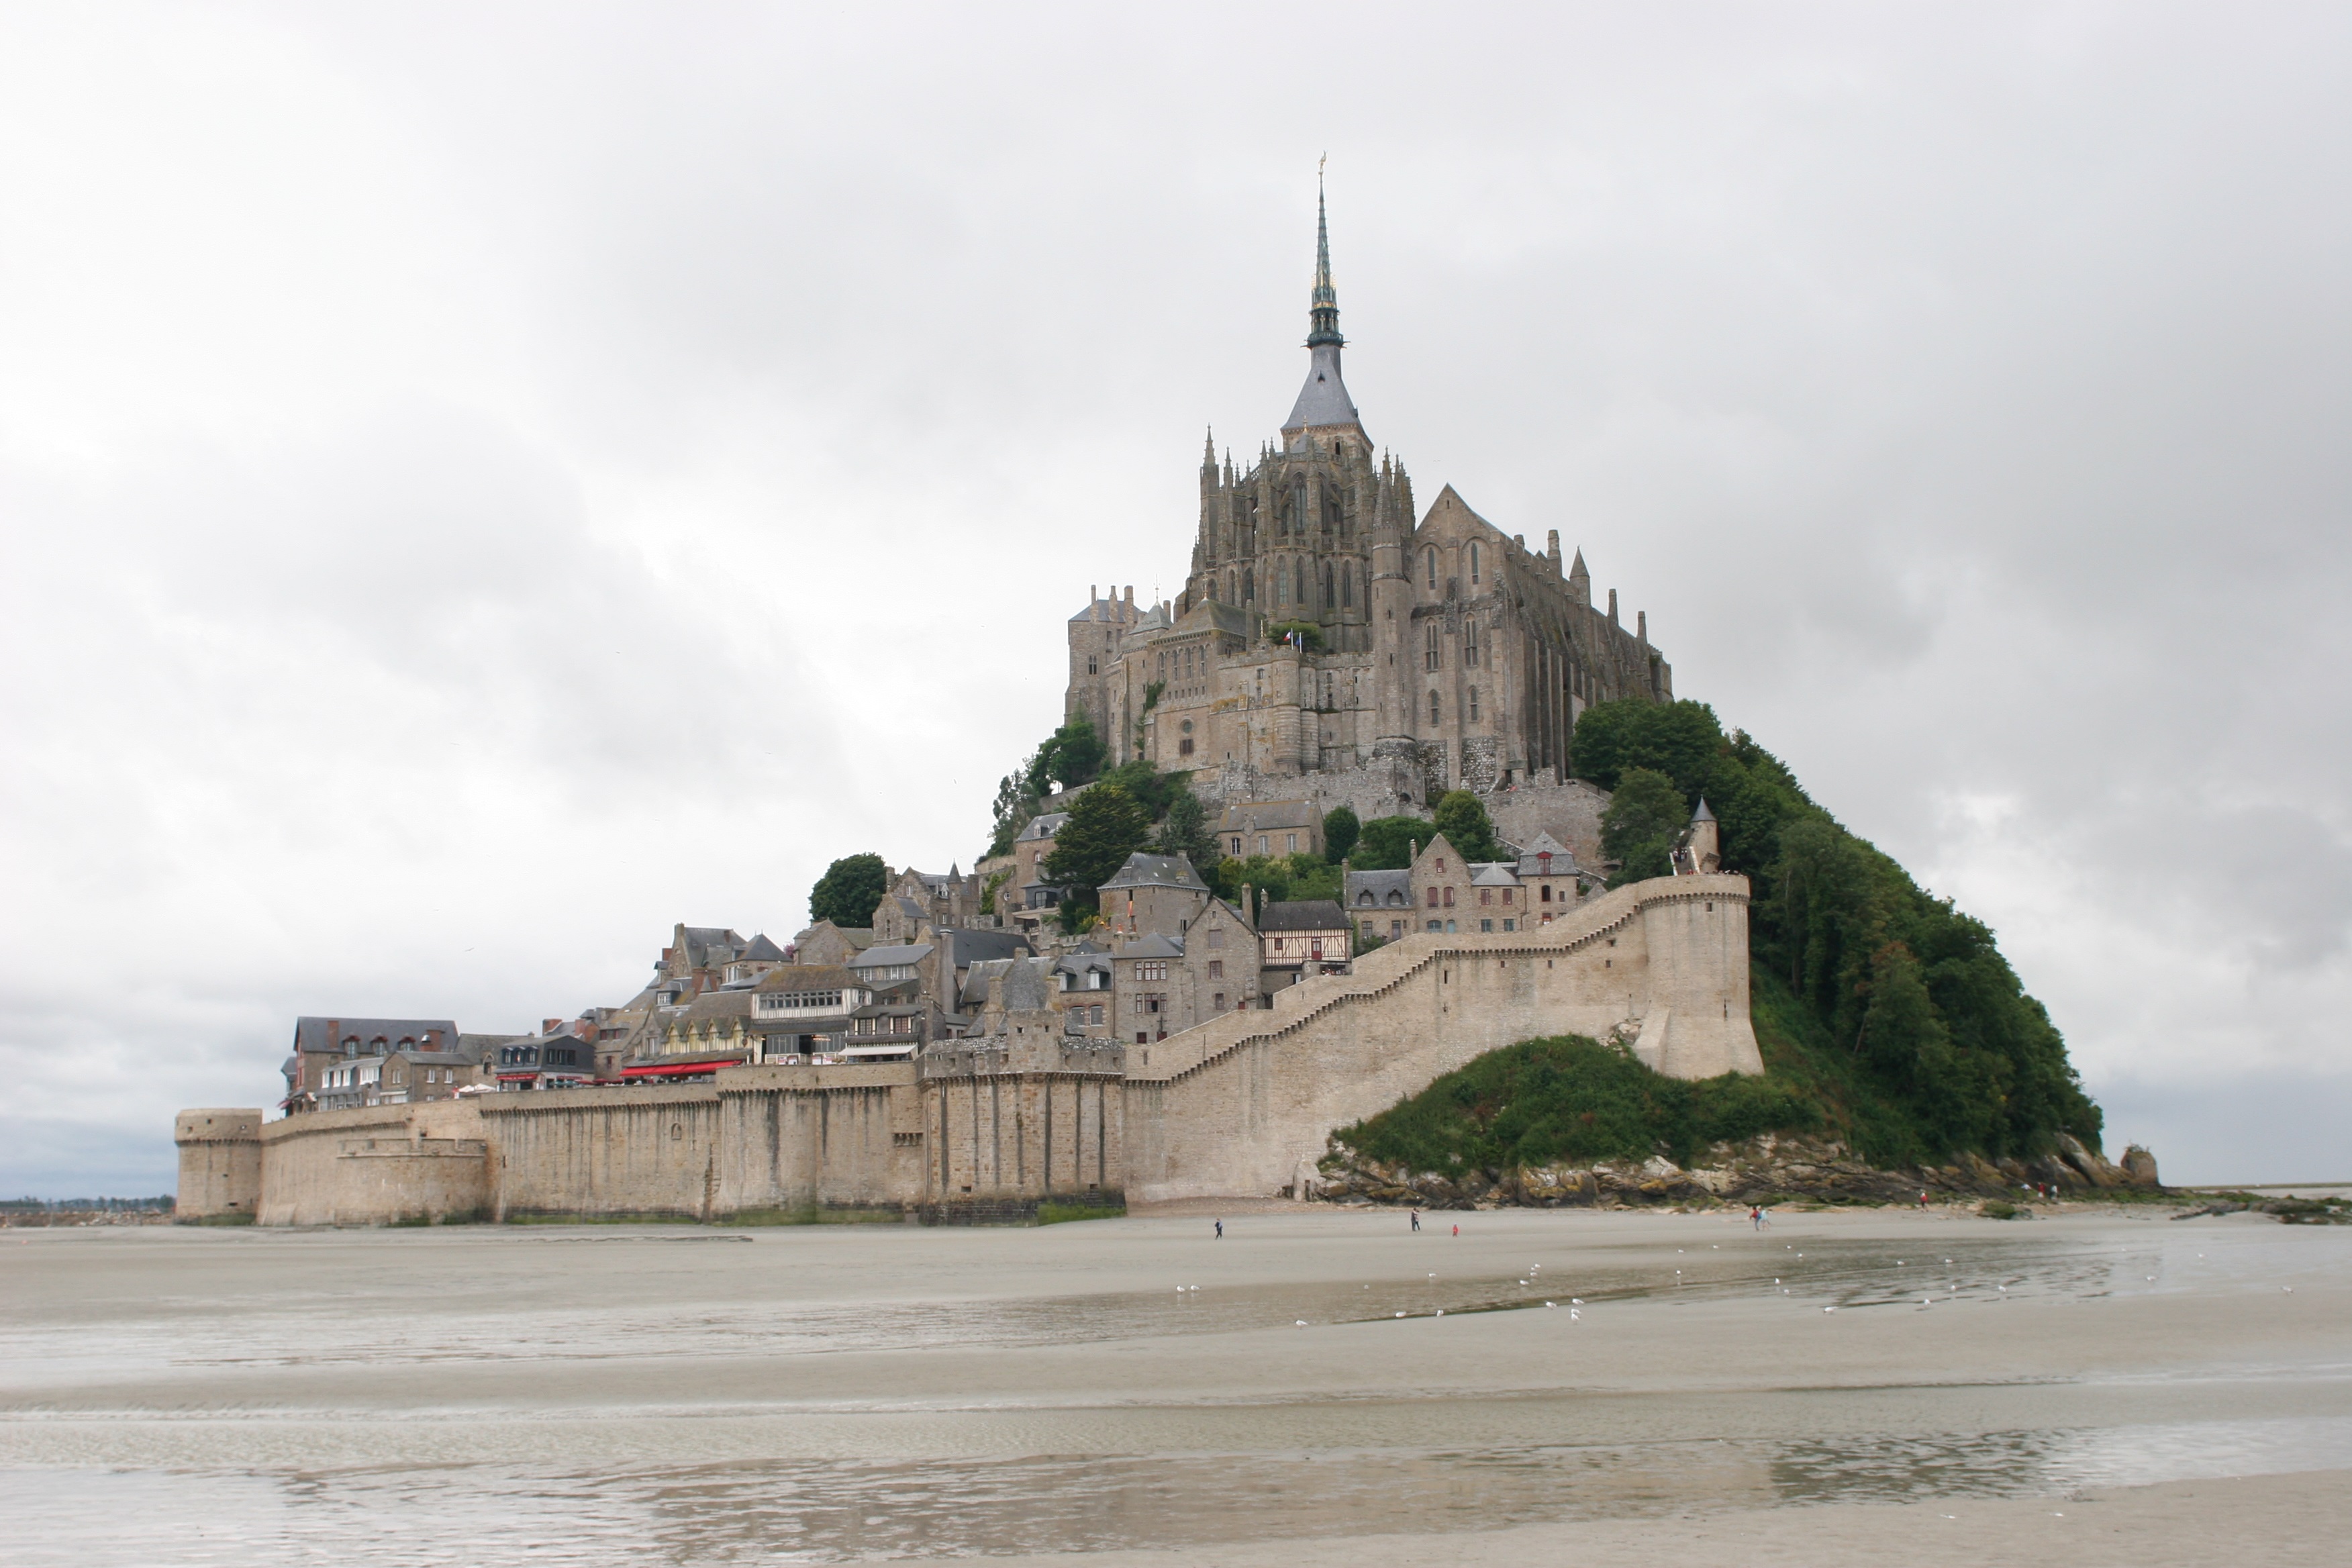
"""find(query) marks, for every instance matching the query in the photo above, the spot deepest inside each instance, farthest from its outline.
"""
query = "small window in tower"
(1430, 654)
(1090, 665)
(1430, 556)
(1474, 705)
(1474, 562)
(1470, 645)
(1433, 708)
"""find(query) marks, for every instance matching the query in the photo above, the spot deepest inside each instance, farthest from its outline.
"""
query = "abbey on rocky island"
(1323, 632)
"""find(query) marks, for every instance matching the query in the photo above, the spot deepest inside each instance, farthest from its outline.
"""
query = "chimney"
(1613, 606)
(550, 1025)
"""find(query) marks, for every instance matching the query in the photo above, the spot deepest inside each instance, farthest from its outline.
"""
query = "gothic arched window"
(1470, 637)
(1474, 563)
(1348, 585)
(1430, 556)
(1429, 658)
(1249, 584)
(1300, 598)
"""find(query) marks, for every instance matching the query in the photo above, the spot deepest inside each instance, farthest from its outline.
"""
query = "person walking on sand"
(1416, 1222)
(1756, 1216)
(1457, 1230)
(1220, 1230)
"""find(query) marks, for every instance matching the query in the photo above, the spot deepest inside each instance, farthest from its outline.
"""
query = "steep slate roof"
(1152, 946)
(1493, 874)
(712, 1004)
(1144, 870)
(1303, 914)
(1702, 813)
(1209, 615)
(967, 947)
(1389, 889)
(877, 957)
(1563, 858)
(314, 1034)
(975, 981)
(761, 948)
(701, 939)
(1260, 815)
(1025, 990)
(1043, 826)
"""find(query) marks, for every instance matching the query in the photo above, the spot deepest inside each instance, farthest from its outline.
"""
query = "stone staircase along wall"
(1244, 1103)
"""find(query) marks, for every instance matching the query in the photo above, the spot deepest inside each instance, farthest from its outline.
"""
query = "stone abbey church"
(1327, 635)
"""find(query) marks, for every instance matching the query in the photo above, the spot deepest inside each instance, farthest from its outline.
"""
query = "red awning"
(676, 1070)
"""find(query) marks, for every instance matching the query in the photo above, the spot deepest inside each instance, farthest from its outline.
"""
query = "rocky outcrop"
(2139, 1167)
(1764, 1170)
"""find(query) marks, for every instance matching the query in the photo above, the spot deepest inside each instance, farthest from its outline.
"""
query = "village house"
(1271, 827)
(1309, 936)
(322, 1044)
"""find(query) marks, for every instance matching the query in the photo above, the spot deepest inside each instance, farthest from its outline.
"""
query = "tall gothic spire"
(1323, 403)
(1323, 310)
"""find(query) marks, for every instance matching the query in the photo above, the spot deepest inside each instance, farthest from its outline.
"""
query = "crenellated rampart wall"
(1241, 1105)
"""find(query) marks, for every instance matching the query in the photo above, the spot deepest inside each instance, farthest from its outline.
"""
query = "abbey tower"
(1325, 636)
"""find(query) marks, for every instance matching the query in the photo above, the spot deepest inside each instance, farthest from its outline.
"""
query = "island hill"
(1383, 864)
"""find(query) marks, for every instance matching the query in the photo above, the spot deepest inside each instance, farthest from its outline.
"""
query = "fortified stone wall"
(378, 1166)
(820, 1137)
(1243, 1104)
(1399, 788)
(1240, 1105)
(220, 1164)
(1003, 1135)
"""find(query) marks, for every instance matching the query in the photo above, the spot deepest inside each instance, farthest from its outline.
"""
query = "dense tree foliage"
(1107, 825)
(1898, 1008)
(1185, 828)
(1340, 830)
(1542, 1102)
(849, 891)
(1386, 843)
(1638, 828)
(1461, 817)
(1070, 756)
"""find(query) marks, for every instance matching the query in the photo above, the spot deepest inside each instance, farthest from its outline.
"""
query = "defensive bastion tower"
(1325, 634)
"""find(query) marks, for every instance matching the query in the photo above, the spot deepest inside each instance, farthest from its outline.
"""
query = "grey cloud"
(693, 429)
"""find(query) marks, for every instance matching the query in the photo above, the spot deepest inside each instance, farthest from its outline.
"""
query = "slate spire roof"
(1324, 400)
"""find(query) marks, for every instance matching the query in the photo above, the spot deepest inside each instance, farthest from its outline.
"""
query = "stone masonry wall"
(377, 1165)
(1243, 1104)
(220, 1164)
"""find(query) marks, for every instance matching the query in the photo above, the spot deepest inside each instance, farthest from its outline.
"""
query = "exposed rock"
(1767, 1169)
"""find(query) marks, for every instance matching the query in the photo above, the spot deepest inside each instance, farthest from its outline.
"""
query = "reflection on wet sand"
(361, 1397)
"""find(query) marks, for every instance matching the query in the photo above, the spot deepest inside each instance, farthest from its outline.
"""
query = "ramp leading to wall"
(1234, 1107)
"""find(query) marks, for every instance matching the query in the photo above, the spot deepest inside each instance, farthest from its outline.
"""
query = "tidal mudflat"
(1319, 1386)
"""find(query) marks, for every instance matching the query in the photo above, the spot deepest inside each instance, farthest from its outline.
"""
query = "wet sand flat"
(1835, 1388)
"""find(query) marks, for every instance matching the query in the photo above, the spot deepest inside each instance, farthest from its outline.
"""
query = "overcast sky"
(480, 485)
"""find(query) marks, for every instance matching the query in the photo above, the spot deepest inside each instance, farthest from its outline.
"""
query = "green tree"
(1151, 789)
(1070, 756)
(849, 891)
(1638, 829)
(1461, 817)
(1186, 829)
(1340, 831)
(1269, 874)
(1386, 843)
(1016, 807)
(1680, 740)
(1107, 825)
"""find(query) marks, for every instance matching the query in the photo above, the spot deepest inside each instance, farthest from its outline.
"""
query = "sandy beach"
(1319, 1386)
